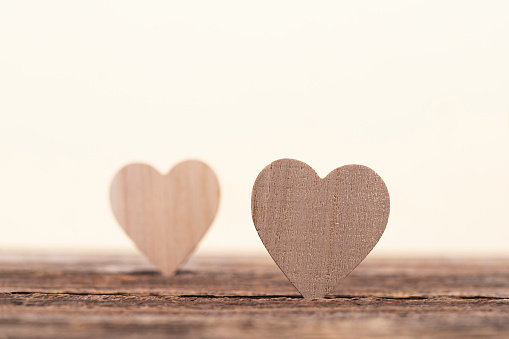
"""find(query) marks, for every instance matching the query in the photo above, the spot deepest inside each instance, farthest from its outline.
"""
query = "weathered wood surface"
(69, 296)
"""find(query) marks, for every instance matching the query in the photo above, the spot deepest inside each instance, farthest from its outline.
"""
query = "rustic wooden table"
(92, 296)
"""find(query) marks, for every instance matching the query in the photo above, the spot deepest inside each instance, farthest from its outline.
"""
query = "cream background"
(419, 91)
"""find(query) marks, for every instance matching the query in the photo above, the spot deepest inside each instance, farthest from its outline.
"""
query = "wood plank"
(82, 296)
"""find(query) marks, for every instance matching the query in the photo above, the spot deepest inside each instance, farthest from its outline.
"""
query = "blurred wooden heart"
(166, 216)
(318, 230)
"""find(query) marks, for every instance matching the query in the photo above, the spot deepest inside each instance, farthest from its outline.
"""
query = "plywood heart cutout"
(166, 216)
(318, 230)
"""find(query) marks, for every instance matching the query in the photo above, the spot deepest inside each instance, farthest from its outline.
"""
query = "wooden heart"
(165, 216)
(318, 230)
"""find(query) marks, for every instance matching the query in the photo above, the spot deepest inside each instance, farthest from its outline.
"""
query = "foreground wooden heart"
(318, 230)
(165, 216)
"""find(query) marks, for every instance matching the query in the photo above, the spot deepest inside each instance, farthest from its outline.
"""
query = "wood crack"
(269, 296)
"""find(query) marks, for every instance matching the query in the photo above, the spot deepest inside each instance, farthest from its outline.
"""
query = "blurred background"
(418, 91)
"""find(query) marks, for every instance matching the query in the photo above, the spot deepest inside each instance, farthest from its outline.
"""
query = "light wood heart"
(165, 216)
(318, 230)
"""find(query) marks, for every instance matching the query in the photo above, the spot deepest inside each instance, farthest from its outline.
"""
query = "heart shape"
(318, 230)
(165, 216)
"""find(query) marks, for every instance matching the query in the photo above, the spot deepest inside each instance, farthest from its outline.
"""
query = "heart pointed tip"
(168, 274)
(313, 297)
(310, 295)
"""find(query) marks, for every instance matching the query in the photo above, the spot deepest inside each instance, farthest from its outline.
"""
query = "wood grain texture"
(165, 216)
(318, 230)
(106, 296)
